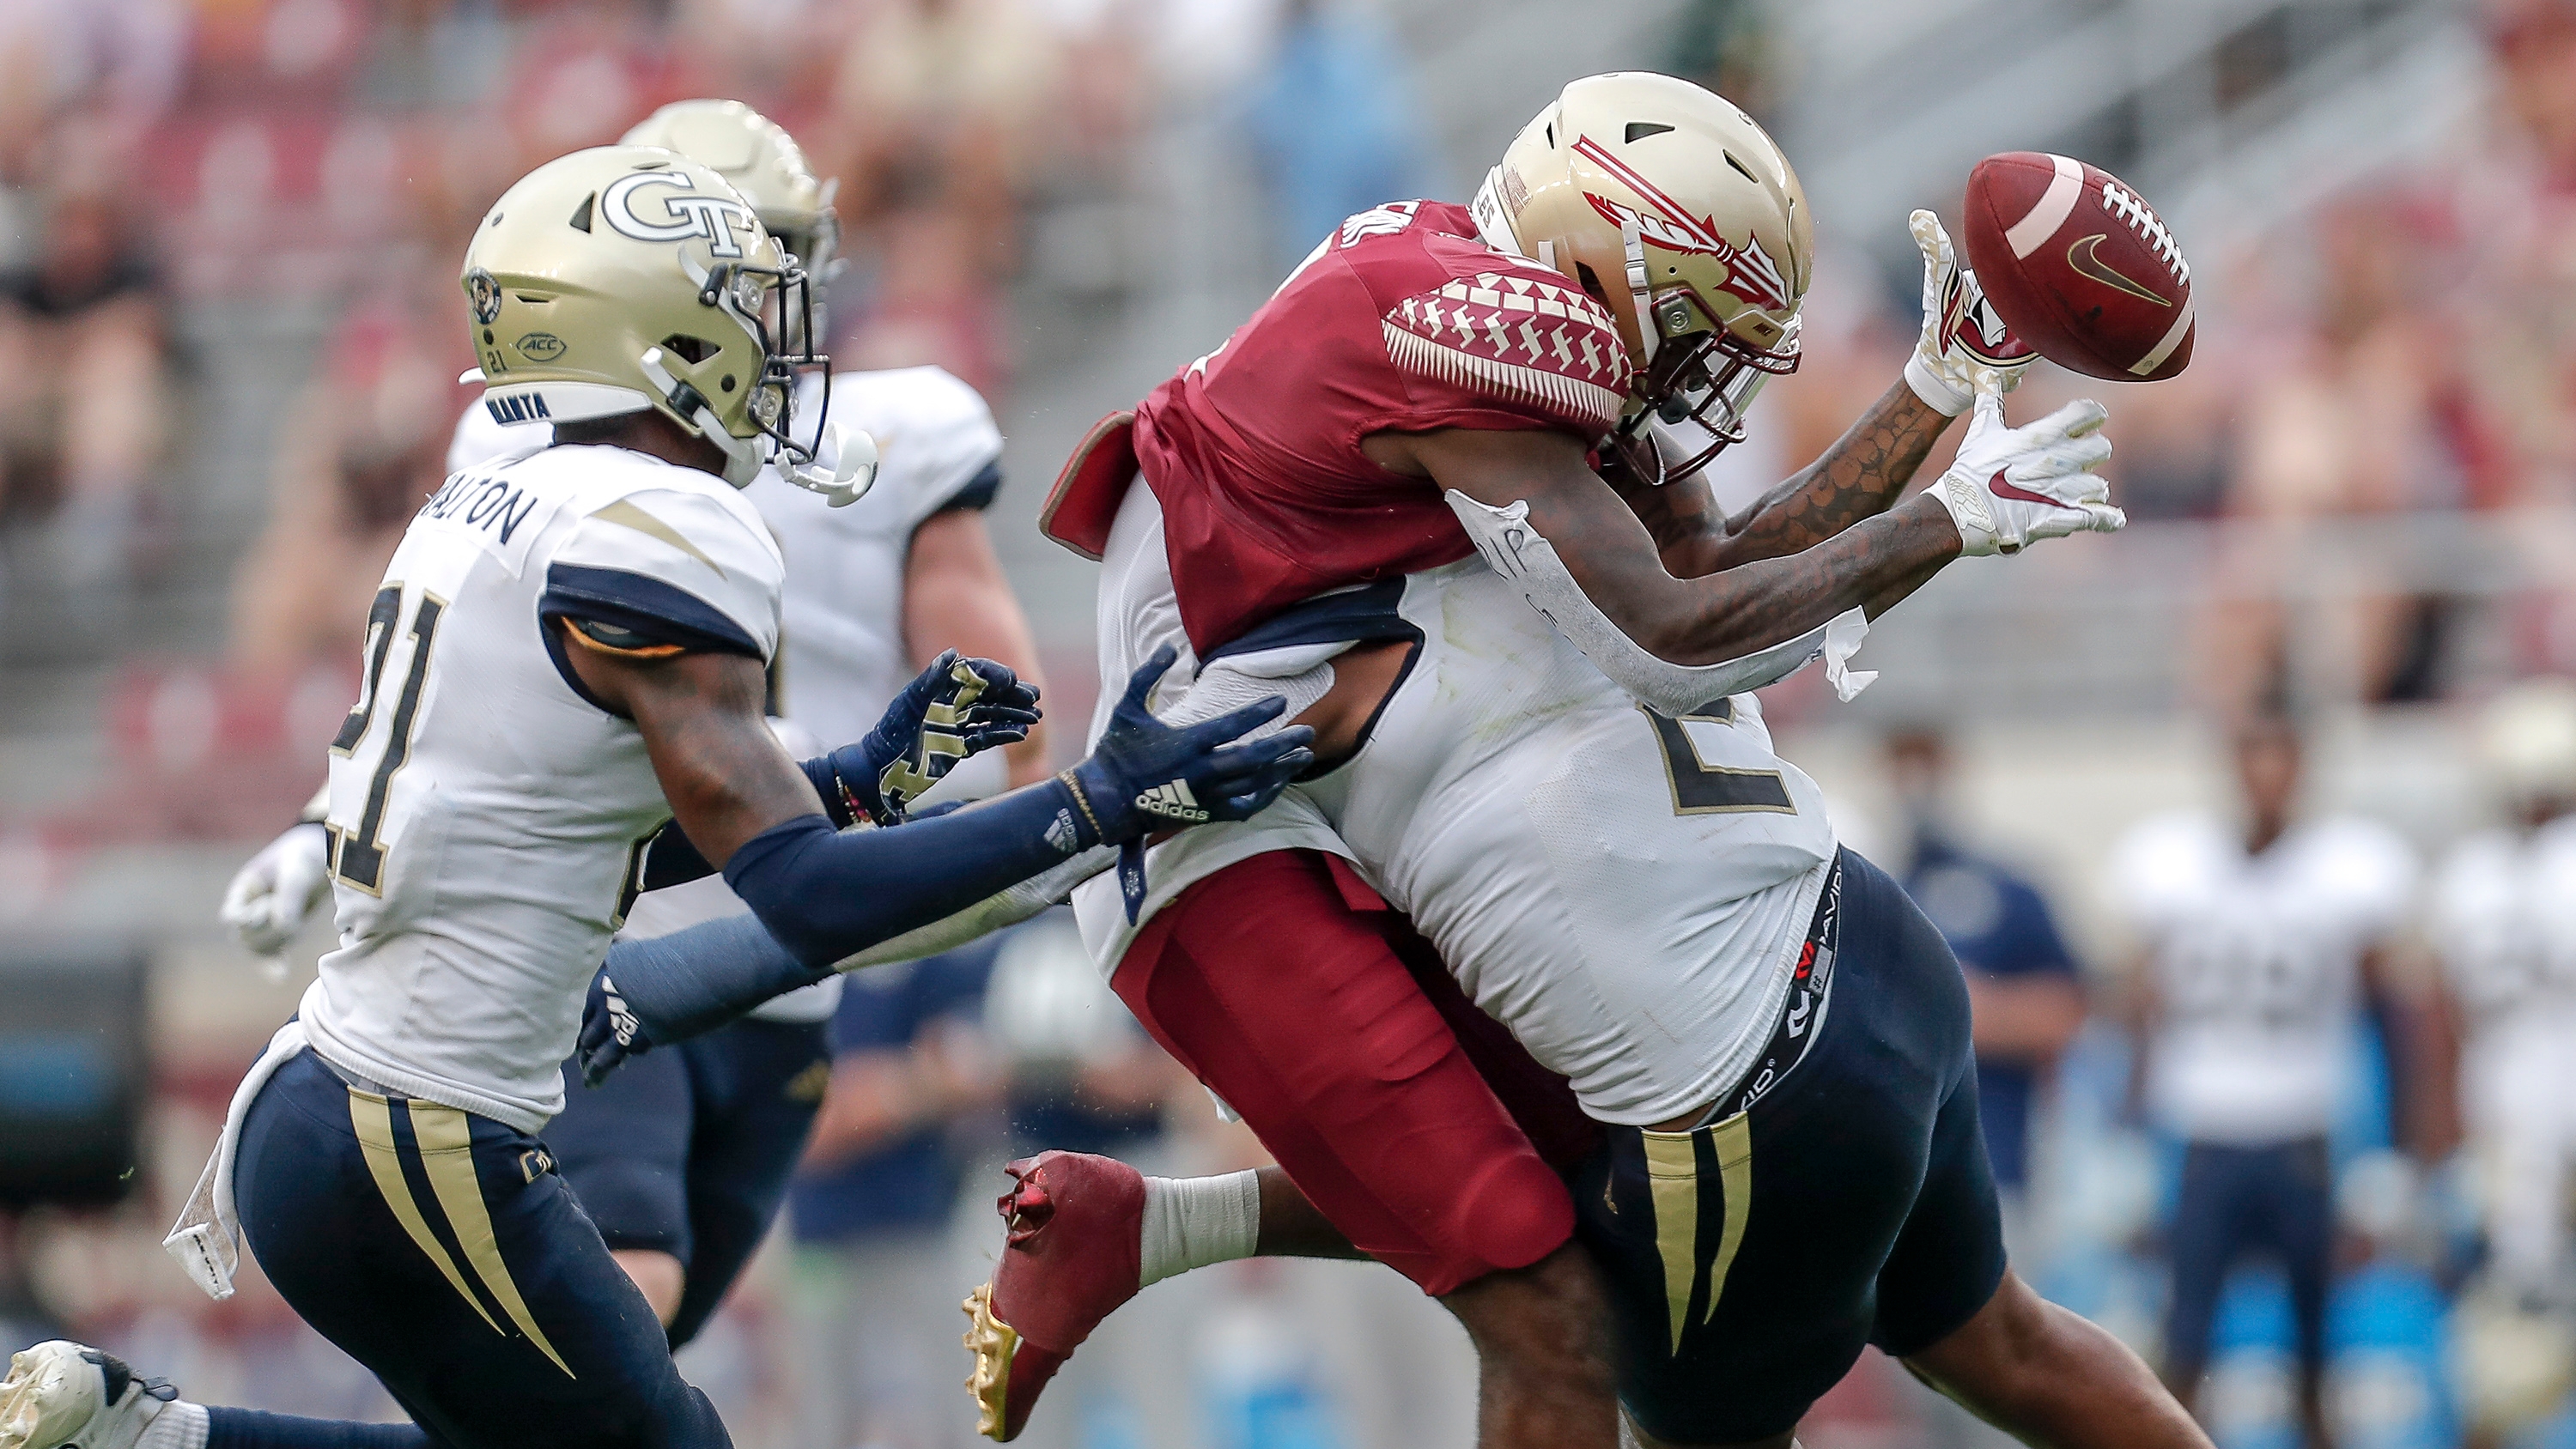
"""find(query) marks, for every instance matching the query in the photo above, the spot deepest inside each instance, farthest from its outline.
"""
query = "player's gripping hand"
(1964, 349)
(1145, 775)
(956, 708)
(2012, 486)
(275, 893)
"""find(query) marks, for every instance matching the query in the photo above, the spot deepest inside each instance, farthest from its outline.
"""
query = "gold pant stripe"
(1672, 1171)
(447, 1154)
(1733, 1139)
(375, 1125)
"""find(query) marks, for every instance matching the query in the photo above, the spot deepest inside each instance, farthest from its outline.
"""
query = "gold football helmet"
(1677, 212)
(626, 277)
(756, 157)
(2527, 739)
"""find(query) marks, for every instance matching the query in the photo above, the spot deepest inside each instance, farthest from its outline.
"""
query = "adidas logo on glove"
(1173, 800)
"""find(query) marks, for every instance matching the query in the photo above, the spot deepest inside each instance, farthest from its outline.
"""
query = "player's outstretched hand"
(956, 708)
(2013, 486)
(1145, 775)
(1964, 348)
(276, 891)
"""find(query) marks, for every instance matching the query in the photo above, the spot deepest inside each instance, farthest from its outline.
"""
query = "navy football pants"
(687, 1150)
(1748, 1261)
(441, 1250)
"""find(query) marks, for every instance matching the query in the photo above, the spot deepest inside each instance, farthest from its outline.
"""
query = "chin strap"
(1641, 290)
(743, 456)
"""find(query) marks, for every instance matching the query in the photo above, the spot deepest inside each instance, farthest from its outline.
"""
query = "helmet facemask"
(775, 305)
(1689, 402)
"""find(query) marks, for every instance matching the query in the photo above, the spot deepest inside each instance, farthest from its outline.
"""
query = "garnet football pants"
(1403, 1113)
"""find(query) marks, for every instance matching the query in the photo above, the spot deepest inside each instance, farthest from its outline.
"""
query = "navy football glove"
(956, 708)
(1145, 775)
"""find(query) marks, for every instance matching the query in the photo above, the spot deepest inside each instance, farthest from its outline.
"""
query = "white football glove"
(272, 896)
(2013, 486)
(1965, 349)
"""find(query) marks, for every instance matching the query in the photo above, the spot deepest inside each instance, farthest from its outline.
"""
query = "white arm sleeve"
(1518, 552)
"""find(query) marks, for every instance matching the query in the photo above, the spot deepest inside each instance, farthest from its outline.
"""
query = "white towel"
(207, 1238)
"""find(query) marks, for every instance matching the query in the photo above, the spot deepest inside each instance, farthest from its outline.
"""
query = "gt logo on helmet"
(718, 219)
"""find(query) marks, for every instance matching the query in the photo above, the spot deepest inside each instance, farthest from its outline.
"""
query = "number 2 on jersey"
(357, 855)
(1700, 788)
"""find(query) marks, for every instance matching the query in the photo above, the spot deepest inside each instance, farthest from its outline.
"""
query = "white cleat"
(61, 1395)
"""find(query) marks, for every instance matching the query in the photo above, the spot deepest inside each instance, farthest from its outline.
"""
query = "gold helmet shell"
(627, 277)
(757, 157)
(1669, 204)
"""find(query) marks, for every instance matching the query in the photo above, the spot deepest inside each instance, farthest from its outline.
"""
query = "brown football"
(2079, 266)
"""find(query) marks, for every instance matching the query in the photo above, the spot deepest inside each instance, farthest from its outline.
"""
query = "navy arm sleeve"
(672, 859)
(827, 895)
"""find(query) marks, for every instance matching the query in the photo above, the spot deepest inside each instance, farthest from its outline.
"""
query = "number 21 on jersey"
(358, 848)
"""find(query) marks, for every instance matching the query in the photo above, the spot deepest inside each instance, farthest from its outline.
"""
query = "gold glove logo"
(1174, 801)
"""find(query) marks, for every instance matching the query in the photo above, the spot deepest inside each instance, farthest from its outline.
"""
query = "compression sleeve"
(695, 980)
(827, 895)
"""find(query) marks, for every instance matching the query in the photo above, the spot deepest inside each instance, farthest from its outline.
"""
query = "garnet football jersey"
(1401, 321)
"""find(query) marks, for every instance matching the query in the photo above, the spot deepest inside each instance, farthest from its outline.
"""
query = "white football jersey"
(842, 651)
(485, 816)
(2256, 961)
(2504, 919)
(1626, 893)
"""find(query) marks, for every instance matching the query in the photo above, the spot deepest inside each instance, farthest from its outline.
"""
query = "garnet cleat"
(1074, 1225)
(60, 1394)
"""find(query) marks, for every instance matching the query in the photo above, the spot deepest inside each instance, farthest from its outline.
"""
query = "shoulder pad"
(1522, 338)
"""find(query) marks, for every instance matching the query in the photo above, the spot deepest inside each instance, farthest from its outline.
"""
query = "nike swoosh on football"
(2001, 489)
(2080, 256)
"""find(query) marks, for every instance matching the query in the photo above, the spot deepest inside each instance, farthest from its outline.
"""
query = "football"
(2079, 266)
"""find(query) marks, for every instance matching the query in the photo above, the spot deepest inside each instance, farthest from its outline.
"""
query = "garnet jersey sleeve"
(1401, 321)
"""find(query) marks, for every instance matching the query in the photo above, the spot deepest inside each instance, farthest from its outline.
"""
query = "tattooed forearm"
(1860, 476)
(1873, 564)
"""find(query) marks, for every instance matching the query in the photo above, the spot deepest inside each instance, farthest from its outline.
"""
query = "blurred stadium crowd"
(228, 232)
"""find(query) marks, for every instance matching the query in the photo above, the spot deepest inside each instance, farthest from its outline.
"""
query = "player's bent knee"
(658, 1275)
(1511, 1214)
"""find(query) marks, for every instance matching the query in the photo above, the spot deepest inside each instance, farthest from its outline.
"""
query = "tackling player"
(684, 1161)
(569, 651)
(1565, 789)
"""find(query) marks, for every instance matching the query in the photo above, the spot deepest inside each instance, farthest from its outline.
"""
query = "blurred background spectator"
(228, 232)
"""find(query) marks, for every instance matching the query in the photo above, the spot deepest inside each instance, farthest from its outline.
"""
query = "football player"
(568, 652)
(2504, 916)
(2261, 936)
(684, 1160)
(1575, 802)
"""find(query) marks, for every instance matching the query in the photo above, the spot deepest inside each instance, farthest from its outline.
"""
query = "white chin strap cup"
(844, 466)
